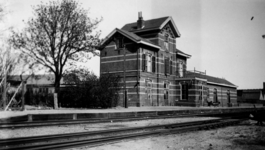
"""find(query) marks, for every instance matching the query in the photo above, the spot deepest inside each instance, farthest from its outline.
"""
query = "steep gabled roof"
(149, 24)
(130, 35)
(210, 79)
(152, 24)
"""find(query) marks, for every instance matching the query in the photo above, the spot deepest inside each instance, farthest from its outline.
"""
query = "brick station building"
(145, 56)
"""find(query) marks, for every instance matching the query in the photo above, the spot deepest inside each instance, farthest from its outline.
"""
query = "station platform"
(39, 114)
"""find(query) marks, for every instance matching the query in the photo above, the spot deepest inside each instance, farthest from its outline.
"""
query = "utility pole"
(124, 77)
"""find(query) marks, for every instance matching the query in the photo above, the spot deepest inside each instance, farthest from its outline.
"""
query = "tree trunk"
(57, 91)
(23, 96)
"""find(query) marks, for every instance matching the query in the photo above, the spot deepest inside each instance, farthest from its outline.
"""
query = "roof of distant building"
(210, 79)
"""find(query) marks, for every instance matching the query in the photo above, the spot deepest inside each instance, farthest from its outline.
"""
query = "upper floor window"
(166, 62)
(168, 65)
(181, 68)
(148, 63)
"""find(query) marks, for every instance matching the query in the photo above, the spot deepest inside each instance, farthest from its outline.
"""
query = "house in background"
(251, 95)
(37, 83)
(153, 71)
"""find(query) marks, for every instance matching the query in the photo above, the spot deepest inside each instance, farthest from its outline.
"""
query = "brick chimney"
(140, 21)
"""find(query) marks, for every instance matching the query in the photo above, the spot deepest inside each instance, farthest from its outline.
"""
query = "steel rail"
(96, 141)
(100, 132)
(102, 120)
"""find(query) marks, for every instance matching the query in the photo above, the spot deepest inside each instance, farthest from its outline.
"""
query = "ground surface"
(245, 136)
(60, 129)
(41, 110)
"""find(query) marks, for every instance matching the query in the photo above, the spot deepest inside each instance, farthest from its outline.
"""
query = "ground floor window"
(185, 91)
(228, 96)
(166, 90)
(215, 96)
(148, 89)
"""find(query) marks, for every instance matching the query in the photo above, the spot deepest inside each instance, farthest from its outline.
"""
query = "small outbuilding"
(198, 89)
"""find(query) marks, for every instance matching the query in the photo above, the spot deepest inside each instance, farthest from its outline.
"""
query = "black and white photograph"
(132, 74)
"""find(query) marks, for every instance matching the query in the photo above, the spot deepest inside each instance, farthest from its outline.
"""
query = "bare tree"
(59, 35)
(8, 63)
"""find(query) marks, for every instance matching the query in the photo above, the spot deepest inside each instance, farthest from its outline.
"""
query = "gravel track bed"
(60, 129)
(245, 136)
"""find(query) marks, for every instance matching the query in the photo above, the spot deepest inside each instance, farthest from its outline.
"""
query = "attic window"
(166, 42)
(119, 43)
(166, 37)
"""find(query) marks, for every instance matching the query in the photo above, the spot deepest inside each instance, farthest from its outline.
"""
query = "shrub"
(92, 92)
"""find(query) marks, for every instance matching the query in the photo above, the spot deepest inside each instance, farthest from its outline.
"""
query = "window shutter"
(143, 62)
(153, 64)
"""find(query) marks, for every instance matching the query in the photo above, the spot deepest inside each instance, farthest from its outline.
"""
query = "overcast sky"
(219, 34)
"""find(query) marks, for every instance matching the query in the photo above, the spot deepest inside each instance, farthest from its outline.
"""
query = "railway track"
(94, 138)
(104, 120)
